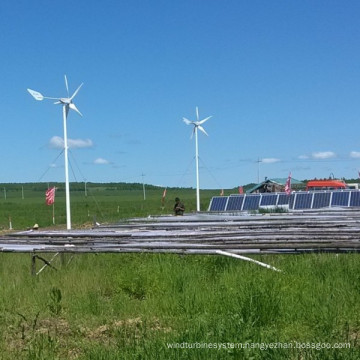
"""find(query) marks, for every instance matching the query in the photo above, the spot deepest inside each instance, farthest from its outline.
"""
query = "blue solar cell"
(321, 200)
(355, 198)
(283, 199)
(268, 199)
(303, 201)
(235, 202)
(251, 202)
(218, 203)
(340, 198)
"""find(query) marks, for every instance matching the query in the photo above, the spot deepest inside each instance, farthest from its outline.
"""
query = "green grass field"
(103, 202)
(165, 306)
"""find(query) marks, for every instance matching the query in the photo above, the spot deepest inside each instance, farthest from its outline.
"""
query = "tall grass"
(132, 306)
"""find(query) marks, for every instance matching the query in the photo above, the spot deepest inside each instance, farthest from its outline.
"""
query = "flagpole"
(53, 213)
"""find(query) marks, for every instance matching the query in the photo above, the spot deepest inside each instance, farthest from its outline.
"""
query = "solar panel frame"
(321, 200)
(283, 199)
(251, 202)
(340, 198)
(355, 198)
(218, 203)
(235, 203)
(268, 199)
(303, 201)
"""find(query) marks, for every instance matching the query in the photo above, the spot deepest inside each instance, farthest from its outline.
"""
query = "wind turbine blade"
(67, 86)
(203, 130)
(197, 114)
(206, 119)
(186, 121)
(73, 107)
(36, 95)
(193, 132)
(76, 91)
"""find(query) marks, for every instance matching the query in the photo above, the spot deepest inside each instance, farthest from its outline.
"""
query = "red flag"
(241, 190)
(288, 185)
(50, 196)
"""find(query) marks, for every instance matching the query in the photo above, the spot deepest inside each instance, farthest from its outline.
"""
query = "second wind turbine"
(197, 125)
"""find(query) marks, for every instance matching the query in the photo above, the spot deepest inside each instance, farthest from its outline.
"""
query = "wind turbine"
(67, 103)
(197, 125)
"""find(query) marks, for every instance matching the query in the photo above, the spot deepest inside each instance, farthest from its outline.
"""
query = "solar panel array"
(296, 201)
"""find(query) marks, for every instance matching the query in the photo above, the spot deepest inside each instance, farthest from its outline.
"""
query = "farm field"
(167, 306)
(104, 202)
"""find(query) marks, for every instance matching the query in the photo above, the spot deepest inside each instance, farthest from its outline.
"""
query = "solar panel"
(303, 200)
(251, 202)
(355, 198)
(283, 199)
(297, 200)
(268, 199)
(235, 202)
(340, 198)
(321, 199)
(218, 203)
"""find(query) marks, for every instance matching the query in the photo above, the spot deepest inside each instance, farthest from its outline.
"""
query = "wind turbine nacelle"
(65, 101)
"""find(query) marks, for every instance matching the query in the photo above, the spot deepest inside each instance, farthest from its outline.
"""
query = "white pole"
(143, 186)
(197, 171)
(67, 187)
(247, 259)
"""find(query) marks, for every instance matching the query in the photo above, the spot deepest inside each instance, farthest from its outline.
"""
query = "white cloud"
(355, 154)
(303, 157)
(101, 161)
(56, 142)
(323, 155)
(270, 160)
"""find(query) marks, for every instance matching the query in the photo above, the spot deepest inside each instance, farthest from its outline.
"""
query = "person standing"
(179, 207)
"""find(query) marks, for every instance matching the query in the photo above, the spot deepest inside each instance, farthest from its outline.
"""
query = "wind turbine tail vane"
(187, 122)
(36, 95)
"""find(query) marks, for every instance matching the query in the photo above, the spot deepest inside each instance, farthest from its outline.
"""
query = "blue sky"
(281, 80)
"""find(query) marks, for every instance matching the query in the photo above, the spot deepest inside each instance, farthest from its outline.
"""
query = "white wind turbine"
(197, 125)
(67, 104)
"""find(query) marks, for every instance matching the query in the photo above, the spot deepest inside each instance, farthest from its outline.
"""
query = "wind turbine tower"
(197, 125)
(67, 103)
